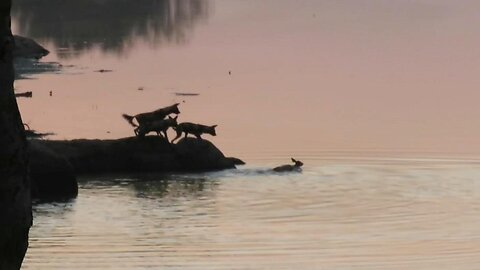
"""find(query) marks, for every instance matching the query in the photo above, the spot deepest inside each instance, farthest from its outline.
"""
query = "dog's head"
(211, 130)
(174, 108)
(298, 163)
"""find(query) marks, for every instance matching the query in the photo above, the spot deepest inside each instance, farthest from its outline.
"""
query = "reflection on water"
(408, 215)
(25, 68)
(160, 189)
(113, 26)
(154, 185)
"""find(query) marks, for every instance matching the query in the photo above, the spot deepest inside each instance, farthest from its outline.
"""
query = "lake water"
(340, 215)
(377, 98)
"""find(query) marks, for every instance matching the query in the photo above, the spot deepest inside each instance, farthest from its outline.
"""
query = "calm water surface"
(363, 215)
(378, 98)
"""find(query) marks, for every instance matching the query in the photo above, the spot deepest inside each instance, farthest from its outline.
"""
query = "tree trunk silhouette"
(15, 202)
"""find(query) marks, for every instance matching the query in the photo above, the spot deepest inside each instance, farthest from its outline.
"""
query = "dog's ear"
(294, 161)
(214, 126)
(176, 104)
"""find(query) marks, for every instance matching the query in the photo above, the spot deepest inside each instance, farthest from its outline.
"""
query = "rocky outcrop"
(28, 48)
(51, 174)
(54, 165)
(201, 155)
(148, 154)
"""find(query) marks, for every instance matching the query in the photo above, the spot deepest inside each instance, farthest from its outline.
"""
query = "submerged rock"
(28, 48)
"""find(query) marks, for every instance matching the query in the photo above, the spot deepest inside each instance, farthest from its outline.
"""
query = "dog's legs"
(159, 133)
(198, 136)
(141, 134)
(179, 134)
(166, 136)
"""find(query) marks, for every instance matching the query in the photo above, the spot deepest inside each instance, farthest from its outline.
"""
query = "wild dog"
(195, 129)
(144, 118)
(159, 126)
(289, 168)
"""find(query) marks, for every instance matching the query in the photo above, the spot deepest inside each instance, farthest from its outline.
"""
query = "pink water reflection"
(305, 76)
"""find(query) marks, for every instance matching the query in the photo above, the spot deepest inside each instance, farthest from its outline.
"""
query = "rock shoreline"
(54, 165)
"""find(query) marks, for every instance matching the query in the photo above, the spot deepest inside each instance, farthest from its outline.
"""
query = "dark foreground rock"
(54, 164)
(52, 175)
(148, 154)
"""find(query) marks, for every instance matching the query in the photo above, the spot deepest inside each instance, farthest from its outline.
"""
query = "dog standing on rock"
(195, 129)
(159, 126)
(145, 118)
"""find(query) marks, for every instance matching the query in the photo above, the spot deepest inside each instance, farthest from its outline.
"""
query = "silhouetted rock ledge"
(148, 154)
(55, 164)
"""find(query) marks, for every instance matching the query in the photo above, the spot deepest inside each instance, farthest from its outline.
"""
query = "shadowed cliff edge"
(56, 163)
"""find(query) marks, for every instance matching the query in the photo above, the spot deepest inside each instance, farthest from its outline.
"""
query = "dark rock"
(52, 176)
(236, 161)
(201, 155)
(28, 48)
(54, 164)
(148, 154)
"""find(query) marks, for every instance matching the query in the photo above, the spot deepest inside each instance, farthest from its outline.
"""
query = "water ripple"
(336, 216)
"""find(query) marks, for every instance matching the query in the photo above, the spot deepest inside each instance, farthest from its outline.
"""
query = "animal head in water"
(298, 163)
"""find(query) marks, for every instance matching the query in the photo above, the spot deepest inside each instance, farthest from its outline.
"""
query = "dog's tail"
(129, 119)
